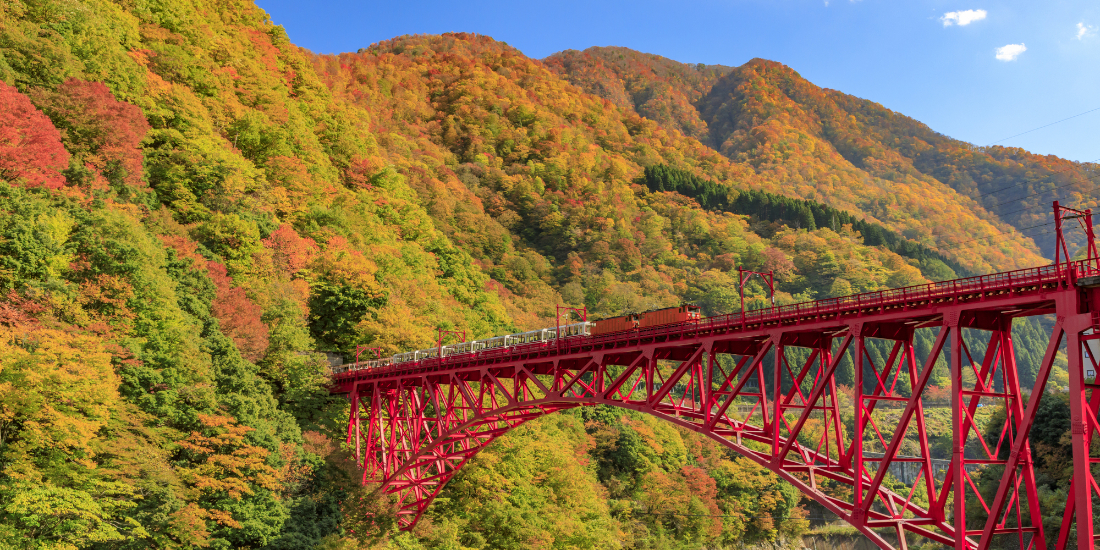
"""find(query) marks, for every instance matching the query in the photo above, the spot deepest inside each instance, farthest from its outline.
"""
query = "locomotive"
(631, 321)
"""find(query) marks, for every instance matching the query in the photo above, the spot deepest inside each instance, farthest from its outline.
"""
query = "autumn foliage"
(30, 145)
(226, 467)
(292, 253)
(103, 133)
(233, 204)
(238, 316)
(849, 153)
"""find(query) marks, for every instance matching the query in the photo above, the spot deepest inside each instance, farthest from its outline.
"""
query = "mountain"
(657, 88)
(192, 209)
(851, 153)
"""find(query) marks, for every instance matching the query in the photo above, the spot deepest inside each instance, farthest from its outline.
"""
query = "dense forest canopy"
(797, 213)
(192, 209)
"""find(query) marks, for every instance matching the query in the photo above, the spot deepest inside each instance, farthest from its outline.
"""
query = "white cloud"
(963, 18)
(1010, 52)
(1084, 30)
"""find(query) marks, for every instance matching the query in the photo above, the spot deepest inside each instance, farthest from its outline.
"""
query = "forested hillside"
(814, 143)
(192, 208)
(657, 88)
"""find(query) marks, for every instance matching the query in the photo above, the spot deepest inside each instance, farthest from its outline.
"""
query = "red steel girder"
(422, 422)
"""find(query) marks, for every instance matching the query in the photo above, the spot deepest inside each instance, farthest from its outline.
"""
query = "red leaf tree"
(238, 316)
(291, 252)
(30, 145)
(101, 131)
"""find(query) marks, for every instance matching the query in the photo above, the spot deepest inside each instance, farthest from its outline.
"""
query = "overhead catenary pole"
(1062, 256)
(439, 342)
(743, 277)
(581, 311)
(360, 348)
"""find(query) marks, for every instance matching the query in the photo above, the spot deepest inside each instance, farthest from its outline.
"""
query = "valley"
(194, 211)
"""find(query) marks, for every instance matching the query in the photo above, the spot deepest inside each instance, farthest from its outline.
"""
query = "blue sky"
(911, 56)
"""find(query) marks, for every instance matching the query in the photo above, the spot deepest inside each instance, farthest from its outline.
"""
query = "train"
(632, 321)
(647, 319)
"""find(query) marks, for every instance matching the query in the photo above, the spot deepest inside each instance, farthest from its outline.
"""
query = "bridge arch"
(414, 497)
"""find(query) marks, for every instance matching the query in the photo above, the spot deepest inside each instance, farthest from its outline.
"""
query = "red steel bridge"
(415, 424)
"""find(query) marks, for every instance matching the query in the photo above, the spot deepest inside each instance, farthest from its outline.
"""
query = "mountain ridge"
(920, 154)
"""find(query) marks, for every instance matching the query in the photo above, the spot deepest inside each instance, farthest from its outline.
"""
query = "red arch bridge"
(415, 424)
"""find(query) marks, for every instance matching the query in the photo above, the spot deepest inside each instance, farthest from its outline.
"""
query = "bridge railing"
(1060, 274)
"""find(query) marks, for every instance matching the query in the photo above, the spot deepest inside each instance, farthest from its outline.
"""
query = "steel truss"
(414, 428)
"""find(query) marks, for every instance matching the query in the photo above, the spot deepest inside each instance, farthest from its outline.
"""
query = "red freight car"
(654, 318)
(669, 316)
(615, 324)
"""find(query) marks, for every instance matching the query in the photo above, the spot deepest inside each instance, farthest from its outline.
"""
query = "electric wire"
(1028, 132)
(1015, 234)
(1006, 238)
(1019, 232)
(960, 248)
(1017, 184)
(1010, 233)
(1045, 126)
(1075, 182)
(993, 239)
(1033, 207)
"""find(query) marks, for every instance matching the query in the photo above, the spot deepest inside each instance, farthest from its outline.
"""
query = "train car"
(669, 316)
(509, 340)
(404, 357)
(531, 336)
(583, 328)
(495, 342)
(371, 364)
(652, 318)
(429, 353)
(615, 324)
(458, 349)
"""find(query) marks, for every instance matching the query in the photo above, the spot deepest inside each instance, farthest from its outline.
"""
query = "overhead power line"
(998, 239)
(1075, 182)
(1045, 126)
(1018, 233)
(726, 516)
(1014, 233)
(1028, 132)
(1017, 184)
